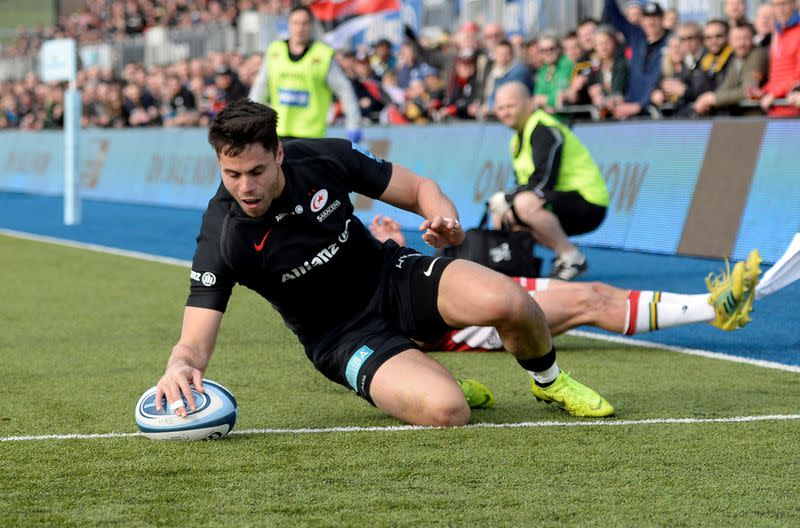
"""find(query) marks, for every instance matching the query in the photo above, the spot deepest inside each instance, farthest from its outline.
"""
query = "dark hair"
(723, 23)
(746, 25)
(588, 20)
(243, 123)
(504, 42)
(301, 7)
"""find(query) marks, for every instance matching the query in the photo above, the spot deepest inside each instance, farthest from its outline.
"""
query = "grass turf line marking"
(578, 333)
(683, 350)
(96, 248)
(396, 428)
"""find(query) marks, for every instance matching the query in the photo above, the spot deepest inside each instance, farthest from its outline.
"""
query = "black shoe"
(567, 271)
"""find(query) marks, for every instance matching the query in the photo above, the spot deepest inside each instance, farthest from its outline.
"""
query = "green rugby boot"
(572, 396)
(477, 394)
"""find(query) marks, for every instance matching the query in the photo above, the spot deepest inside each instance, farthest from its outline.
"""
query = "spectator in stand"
(784, 60)
(382, 59)
(113, 114)
(390, 87)
(554, 75)
(468, 42)
(371, 99)
(675, 74)
(607, 82)
(505, 69)
(585, 33)
(517, 41)
(408, 64)
(691, 41)
(180, 109)
(229, 88)
(492, 34)
(435, 88)
(571, 47)
(139, 115)
(584, 63)
(634, 12)
(764, 23)
(736, 12)
(671, 19)
(647, 44)
(747, 71)
(532, 58)
(462, 99)
(708, 74)
(417, 101)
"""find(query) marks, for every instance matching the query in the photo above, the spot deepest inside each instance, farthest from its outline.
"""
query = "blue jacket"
(518, 72)
(644, 69)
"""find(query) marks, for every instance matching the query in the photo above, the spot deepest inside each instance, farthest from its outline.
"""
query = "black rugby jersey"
(308, 255)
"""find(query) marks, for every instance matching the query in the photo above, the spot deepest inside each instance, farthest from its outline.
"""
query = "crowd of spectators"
(638, 60)
(107, 21)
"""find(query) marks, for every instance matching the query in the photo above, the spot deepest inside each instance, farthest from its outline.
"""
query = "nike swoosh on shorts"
(428, 271)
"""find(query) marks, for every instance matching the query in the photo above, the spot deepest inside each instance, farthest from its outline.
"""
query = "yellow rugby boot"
(572, 396)
(477, 394)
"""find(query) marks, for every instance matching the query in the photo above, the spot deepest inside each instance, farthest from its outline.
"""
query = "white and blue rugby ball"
(214, 417)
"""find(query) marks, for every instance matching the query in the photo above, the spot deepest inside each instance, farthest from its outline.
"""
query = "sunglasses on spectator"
(689, 37)
(715, 36)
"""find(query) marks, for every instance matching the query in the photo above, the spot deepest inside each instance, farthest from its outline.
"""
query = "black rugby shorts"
(403, 309)
(577, 216)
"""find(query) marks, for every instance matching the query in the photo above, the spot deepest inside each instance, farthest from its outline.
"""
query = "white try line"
(400, 428)
(578, 333)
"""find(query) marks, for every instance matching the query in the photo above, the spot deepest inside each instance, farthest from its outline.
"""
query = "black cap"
(382, 42)
(652, 9)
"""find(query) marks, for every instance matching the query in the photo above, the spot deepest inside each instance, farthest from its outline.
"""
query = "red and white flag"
(342, 19)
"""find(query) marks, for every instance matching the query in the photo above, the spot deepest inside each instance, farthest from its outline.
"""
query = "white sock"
(643, 316)
(546, 376)
(672, 298)
(573, 256)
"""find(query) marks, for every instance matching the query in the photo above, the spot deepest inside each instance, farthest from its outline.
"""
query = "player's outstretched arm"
(423, 196)
(189, 358)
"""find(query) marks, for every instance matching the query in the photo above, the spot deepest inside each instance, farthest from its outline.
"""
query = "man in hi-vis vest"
(298, 78)
(560, 190)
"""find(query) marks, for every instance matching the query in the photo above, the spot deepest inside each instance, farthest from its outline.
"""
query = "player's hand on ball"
(174, 384)
(498, 204)
(441, 231)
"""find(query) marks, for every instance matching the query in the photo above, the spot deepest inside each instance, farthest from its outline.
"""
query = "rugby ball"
(214, 417)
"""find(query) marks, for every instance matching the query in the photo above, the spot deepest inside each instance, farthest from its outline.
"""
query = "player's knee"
(507, 303)
(451, 411)
(592, 299)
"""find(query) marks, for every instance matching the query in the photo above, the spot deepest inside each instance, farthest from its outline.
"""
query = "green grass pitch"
(84, 334)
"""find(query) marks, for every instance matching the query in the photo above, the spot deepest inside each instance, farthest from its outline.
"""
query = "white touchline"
(96, 247)
(400, 428)
(683, 350)
(578, 333)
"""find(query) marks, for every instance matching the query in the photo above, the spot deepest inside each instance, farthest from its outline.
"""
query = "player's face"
(253, 177)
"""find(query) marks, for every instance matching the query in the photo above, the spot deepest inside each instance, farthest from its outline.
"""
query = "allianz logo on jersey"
(323, 257)
(298, 209)
(206, 279)
(288, 97)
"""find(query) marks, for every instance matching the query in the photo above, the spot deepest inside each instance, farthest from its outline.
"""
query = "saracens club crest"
(319, 200)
